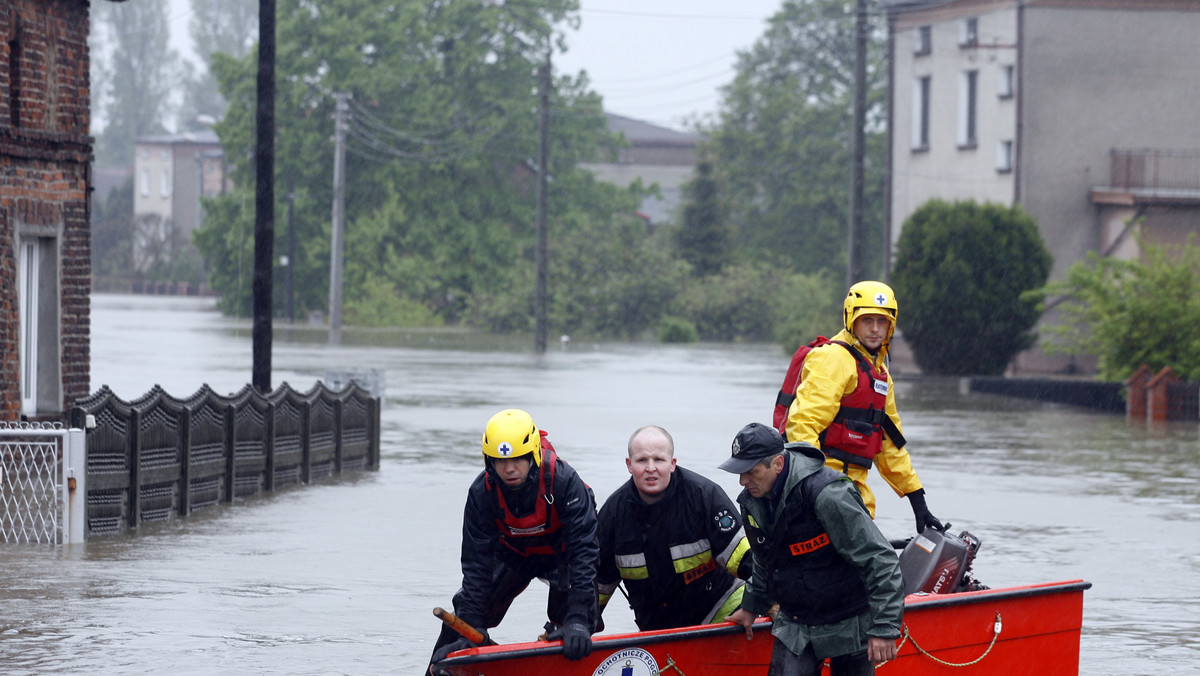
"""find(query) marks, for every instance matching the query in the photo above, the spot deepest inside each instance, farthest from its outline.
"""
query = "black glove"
(921, 512)
(577, 640)
(461, 643)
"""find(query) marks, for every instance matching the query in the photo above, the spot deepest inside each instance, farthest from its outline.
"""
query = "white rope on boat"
(995, 635)
(671, 665)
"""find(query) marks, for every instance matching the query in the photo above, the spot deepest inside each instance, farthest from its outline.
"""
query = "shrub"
(1130, 313)
(960, 278)
(807, 306)
(677, 330)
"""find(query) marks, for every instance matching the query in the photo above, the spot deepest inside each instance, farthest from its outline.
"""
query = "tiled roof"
(639, 132)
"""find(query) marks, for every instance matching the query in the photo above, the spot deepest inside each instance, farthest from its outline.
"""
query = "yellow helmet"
(870, 298)
(512, 434)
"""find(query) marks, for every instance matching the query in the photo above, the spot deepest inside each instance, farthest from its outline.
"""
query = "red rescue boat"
(991, 632)
(952, 625)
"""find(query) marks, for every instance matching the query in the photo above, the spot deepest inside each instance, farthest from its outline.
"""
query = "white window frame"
(1004, 156)
(922, 92)
(27, 277)
(144, 182)
(165, 188)
(968, 105)
(923, 40)
(968, 32)
(1004, 83)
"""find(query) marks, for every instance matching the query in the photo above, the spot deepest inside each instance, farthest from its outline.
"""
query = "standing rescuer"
(528, 515)
(845, 403)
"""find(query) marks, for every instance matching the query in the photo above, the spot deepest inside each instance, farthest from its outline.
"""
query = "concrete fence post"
(1135, 394)
(1158, 401)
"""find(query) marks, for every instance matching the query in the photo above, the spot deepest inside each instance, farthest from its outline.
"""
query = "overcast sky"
(654, 60)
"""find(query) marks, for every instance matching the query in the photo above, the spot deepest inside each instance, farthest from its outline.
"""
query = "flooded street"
(341, 577)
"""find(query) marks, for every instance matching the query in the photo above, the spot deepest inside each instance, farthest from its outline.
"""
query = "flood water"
(341, 577)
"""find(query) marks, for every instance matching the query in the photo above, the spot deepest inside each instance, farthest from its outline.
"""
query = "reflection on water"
(340, 578)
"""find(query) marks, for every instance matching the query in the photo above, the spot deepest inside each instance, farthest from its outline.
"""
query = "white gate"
(43, 492)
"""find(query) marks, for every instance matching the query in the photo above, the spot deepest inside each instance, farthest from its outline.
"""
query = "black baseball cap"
(753, 443)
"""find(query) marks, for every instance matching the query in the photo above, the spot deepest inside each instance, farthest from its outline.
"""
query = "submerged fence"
(158, 457)
(41, 484)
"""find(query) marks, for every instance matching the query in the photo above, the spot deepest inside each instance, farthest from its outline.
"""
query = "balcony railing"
(1149, 169)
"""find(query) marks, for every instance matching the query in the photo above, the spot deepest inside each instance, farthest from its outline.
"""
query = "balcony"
(1151, 175)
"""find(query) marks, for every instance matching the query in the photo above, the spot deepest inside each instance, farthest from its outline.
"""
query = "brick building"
(45, 165)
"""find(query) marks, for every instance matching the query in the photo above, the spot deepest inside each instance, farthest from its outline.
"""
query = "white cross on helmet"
(880, 299)
(505, 449)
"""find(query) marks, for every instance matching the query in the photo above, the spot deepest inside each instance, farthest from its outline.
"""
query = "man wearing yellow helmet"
(528, 515)
(845, 404)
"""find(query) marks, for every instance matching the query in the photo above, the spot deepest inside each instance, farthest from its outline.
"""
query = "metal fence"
(1183, 401)
(158, 457)
(1151, 169)
(42, 484)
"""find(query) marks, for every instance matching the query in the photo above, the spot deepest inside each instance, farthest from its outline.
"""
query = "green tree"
(702, 237)
(134, 71)
(112, 235)
(217, 27)
(961, 275)
(1130, 313)
(782, 141)
(607, 276)
(439, 199)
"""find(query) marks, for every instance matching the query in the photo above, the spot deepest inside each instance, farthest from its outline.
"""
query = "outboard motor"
(938, 562)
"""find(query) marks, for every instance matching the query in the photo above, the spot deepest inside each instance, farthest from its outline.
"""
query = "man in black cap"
(819, 555)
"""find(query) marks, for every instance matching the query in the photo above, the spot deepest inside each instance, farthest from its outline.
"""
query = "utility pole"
(291, 249)
(339, 217)
(856, 238)
(264, 197)
(539, 295)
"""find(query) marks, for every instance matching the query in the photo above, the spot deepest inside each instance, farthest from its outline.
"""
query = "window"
(967, 83)
(924, 41)
(145, 153)
(144, 183)
(920, 117)
(28, 279)
(165, 188)
(1004, 157)
(37, 279)
(1004, 87)
(166, 154)
(968, 32)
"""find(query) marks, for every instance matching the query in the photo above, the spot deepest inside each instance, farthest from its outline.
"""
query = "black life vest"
(856, 434)
(812, 582)
(539, 532)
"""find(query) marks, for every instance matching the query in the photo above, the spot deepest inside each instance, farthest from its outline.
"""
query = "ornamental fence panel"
(159, 458)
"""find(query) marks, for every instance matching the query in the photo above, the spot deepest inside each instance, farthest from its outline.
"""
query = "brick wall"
(45, 160)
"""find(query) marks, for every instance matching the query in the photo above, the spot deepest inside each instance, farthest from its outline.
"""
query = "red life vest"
(791, 381)
(538, 532)
(856, 434)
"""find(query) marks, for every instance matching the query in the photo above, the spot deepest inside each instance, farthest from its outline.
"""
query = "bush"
(807, 306)
(735, 304)
(1130, 313)
(677, 330)
(378, 304)
(961, 276)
